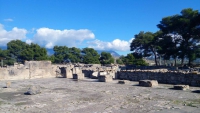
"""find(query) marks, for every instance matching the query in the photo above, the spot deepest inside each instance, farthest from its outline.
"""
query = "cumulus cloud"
(8, 20)
(50, 37)
(7, 36)
(117, 45)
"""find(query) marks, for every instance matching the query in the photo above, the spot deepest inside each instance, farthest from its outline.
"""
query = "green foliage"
(119, 61)
(7, 60)
(63, 53)
(140, 62)
(145, 44)
(15, 47)
(74, 55)
(106, 58)
(18, 51)
(90, 56)
(130, 60)
(33, 52)
(60, 53)
(51, 58)
(185, 31)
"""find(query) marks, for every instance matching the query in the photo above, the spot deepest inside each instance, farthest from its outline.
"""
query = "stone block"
(33, 90)
(69, 74)
(77, 70)
(105, 78)
(94, 75)
(148, 83)
(78, 76)
(121, 82)
(181, 87)
(103, 73)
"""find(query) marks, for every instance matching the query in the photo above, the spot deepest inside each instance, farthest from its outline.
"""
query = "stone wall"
(30, 69)
(173, 77)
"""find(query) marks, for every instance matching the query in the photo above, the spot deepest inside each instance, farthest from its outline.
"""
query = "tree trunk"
(182, 61)
(189, 62)
(155, 58)
(175, 61)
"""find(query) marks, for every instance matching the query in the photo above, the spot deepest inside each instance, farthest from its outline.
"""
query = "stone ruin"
(28, 70)
(42, 69)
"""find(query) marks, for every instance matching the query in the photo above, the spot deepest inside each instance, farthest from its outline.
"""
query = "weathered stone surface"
(77, 70)
(170, 77)
(95, 74)
(78, 76)
(181, 87)
(121, 82)
(105, 78)
(69, 73)
(148, 83)
(103, 73)
(33, 90)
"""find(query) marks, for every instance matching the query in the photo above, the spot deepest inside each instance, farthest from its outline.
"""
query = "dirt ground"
(61, 95)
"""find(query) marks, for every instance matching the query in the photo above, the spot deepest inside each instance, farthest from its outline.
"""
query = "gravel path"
(61, 95)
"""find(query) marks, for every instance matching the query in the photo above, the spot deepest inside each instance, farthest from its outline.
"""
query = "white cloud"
(7, 36)
(29, 41)
(8, 20)
(50, 37)
(117, 45)
(131, 40)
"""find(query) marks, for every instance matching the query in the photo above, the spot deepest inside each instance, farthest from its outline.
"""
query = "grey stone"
(148, 83)
(33, 90)
(105, 78)
(181, 87)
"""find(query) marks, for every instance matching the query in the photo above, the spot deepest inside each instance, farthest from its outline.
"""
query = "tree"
(119, 61)
(15, 47)
(33, 52)
(74, 55)
(90, 56)
(4, 55)
(145, 44)
(186, 27)
(131, 60)
(106, 58)
(60, 53)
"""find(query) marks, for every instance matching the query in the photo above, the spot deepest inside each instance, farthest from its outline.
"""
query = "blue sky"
(101, 24)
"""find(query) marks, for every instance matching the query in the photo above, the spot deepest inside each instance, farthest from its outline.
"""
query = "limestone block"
(103, 73)
(77, 70)
(121, 82)
(181, 87)
(194, 72)
(69, 74)
(148, 83)
(95, 74)
(78, 76)
(105, 78)
(33, 90)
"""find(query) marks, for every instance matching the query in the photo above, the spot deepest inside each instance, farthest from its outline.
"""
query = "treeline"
(178, 38)
(19, 51)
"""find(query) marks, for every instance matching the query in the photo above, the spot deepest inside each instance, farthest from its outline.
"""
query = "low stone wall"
(191, 79)
(30, 69)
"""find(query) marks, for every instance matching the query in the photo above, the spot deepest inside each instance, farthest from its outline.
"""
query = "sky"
(99, 24)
